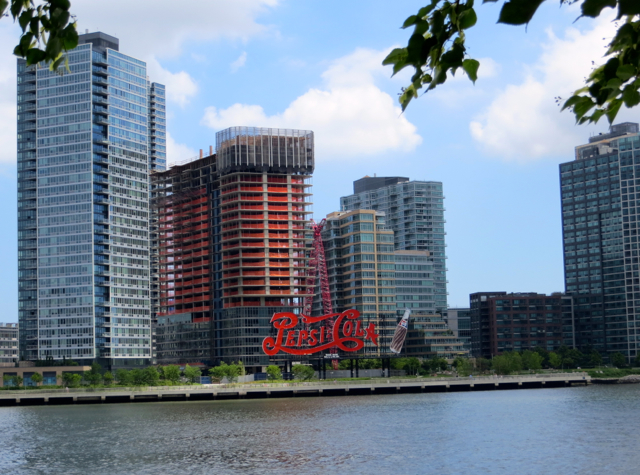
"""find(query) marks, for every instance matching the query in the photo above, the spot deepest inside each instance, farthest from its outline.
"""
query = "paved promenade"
(290, 389)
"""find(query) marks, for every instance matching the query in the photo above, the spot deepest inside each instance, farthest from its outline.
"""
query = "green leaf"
(16, 8)
(3, 6)
(611, 68)
(35, 55)
(34, 27)
(62, 4)
(612, 110)
(470, 67)
(573, 100)
(55, 64)
(412, 20)
(626, 72)
(518, 12)
(628, 7)
(467, 19)
(398, 54)
(24, 19)
(630, 96)
(613, 84)
(592, 8)
(582, 106)
(453, 57)
(424, 11)
(414, 48)
(595, 117)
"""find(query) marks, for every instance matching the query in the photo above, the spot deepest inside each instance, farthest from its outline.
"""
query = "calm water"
(580, 430)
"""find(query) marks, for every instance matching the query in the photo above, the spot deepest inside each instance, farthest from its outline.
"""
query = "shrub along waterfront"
(539, 359)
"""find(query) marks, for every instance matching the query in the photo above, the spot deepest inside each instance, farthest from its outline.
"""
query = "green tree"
(411, 366)
(595, 359)
(274, 373)
(618, 360)
(218, 373)
(172, 373)
(71, 380)
(36, 378)
(94, 376)
(438, 48)
(531, 360)
(302, 372)
(107, 378)
(152, 375)
(463, 366)
(240, 365)
(435, 364)
(123, 377)
(507, 363)
(138, 377)
(544, 353)
(233, 371)
(192, 373)
(483, 364)
(555, 360)
(18, 381)
(223, 370)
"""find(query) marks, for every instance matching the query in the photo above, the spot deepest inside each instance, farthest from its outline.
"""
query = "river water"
(582, 430)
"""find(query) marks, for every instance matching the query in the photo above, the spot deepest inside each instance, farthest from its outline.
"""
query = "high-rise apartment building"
(415, 282)
(232, 244)
(360, 260)
(414, 210)
(601, 223)
(87, 139)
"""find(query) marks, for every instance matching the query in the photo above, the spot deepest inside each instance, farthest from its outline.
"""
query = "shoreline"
(288, 389)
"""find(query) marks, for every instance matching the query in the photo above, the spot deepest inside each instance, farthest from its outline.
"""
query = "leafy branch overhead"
(438, 46)
(48, 30)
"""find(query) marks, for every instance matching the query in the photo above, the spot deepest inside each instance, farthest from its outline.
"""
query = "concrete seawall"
(282, 390)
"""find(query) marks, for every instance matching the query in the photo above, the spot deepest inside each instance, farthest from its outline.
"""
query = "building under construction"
(231, 244)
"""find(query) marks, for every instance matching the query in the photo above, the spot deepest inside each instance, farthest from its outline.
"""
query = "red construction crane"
(318, 267)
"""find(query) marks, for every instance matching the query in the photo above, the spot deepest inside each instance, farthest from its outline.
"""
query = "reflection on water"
(569, 430)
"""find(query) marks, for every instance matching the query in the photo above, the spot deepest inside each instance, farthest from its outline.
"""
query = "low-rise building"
(51, 375)
(430, 337)
(459, 322)
(515, 322)
(8, 344)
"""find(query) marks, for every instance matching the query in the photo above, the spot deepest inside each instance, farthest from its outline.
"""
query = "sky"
(316, 65)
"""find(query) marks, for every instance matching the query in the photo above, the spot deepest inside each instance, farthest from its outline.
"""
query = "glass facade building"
(601, 223)
(360, 259)
(414, 210)
(87, 139)
(415, 282)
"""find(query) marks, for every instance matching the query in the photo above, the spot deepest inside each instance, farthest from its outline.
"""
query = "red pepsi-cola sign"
(342, 331)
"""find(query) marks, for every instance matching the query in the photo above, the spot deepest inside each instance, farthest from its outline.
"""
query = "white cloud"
(181, 87)
(177, 152)
(238, 63)
(174, 23)
(523, 122)
(350, 115)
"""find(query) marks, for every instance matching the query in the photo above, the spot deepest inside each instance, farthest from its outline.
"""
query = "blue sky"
(315, 65)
